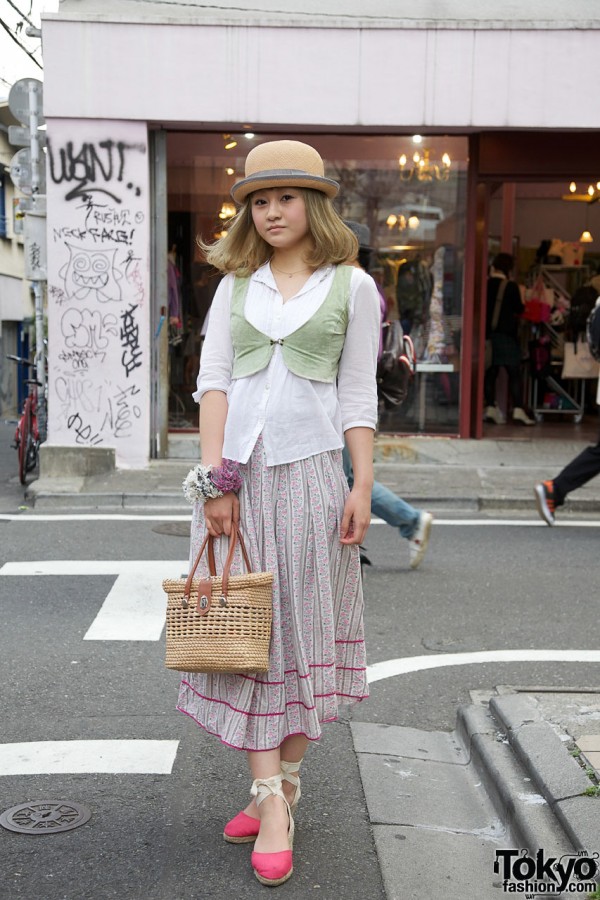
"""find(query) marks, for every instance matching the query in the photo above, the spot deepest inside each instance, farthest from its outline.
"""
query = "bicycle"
(27, 435)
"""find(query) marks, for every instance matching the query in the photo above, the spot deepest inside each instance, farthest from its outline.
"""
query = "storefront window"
(410, 193)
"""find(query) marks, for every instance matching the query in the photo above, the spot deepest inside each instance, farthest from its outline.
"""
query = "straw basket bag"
(222, 623)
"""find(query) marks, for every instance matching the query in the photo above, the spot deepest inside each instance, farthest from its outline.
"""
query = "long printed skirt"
(290, 517)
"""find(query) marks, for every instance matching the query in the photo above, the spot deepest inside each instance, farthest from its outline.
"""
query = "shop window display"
(410, 193)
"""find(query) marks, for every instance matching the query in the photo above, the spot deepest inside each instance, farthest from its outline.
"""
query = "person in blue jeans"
(413, 524)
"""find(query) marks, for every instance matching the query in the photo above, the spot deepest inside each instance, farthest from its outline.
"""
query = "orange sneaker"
(545, 501)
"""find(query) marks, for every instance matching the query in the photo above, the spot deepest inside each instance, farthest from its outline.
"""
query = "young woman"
(287, 372)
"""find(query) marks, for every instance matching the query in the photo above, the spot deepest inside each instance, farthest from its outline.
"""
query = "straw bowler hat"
(283, 164)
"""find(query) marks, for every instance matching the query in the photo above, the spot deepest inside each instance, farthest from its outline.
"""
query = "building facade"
(16, 304)
(452, 133)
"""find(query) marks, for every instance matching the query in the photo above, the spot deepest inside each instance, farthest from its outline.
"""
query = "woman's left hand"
(357, 517)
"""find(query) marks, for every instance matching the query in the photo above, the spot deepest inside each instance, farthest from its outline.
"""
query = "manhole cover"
(44, 817)
(175, 529)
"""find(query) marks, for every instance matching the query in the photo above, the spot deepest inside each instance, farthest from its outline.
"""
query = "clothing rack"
(563, 280)
(575, 406)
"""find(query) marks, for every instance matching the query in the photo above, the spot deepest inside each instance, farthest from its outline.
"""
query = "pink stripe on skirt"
(291, 516)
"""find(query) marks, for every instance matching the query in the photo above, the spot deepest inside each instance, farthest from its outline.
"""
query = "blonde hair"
(243, 251)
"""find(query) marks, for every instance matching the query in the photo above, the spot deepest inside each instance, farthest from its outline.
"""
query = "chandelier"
(226, 213)
(591, 196)
(592, 193)
(423, 168)
(227, 210)
(403, 223)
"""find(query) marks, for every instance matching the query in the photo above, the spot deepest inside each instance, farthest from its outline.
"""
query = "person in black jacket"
(506, 351)
(551, 494)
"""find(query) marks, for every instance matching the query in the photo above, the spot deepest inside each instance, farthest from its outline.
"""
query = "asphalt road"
(158, 835)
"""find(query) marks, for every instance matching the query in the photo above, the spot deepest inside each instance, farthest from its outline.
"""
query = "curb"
(172, 501)
(111, 500)
(556, 774)
(508, 783)
(533, 781)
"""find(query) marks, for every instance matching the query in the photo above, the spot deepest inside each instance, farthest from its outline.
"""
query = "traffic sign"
(19, 136)
(18, 100)
(21, 172)
(34, 245)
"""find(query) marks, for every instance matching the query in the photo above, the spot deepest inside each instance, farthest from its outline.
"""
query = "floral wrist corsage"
(209, 482)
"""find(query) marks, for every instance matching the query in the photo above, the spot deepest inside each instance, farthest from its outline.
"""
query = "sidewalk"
(512, 776)
(433, 472)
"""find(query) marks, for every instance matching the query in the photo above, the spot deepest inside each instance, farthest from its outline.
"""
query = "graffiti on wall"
(98, 293)
(93, 167)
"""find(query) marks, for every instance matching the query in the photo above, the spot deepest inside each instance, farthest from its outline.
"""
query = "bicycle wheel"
(32, 450)
(24, 432)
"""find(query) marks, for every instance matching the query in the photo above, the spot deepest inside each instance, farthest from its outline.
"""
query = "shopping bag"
(578, 361)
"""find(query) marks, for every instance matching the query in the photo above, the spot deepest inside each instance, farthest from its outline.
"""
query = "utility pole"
(28, 172)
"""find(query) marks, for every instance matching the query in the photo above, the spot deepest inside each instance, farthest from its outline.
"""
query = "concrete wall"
(98, 287)
(404, 14)
(15, 299)
(15, 303)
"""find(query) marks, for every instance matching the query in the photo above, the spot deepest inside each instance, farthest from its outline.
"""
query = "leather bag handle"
(209, 541)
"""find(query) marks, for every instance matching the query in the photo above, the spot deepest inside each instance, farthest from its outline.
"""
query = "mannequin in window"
(174, 297)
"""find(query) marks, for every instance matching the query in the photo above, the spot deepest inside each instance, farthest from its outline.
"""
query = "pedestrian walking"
(413, 524)
(287, 373)
(549, 495)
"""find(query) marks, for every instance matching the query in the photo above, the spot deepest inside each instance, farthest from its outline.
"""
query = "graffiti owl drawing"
(90, 272)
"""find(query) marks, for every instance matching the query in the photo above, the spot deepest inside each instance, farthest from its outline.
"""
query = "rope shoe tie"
(243, 829)
(273, 868)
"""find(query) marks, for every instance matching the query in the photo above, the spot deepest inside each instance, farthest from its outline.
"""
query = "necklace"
(290, 274)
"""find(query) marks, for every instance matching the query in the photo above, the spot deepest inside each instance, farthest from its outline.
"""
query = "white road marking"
(125, 517)
(134, 609)
(527, 523)
(391, 667)
(88, 757)
(92, 517)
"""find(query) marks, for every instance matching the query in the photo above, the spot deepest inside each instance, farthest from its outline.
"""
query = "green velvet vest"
(312, 351)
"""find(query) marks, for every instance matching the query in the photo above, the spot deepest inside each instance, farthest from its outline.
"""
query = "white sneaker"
(417, 545)
(519, 415)
(493, 414)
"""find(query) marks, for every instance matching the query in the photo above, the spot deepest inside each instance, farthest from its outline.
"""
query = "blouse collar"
(266, 277)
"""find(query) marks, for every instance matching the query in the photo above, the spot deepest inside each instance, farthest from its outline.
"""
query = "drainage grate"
(44, 817)
(174, 529)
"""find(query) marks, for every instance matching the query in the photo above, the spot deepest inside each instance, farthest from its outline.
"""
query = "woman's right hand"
(221, 514)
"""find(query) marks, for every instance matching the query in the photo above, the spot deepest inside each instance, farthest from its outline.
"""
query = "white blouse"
(297, 417)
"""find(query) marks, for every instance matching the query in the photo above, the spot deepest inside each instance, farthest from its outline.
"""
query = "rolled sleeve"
(216, 360)
(357, 385)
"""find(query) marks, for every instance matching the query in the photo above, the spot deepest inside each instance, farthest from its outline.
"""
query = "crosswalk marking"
(132, 757)
(134, 609)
